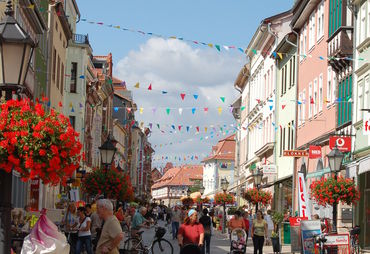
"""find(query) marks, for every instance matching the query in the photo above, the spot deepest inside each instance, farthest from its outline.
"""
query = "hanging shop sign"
(295, 153)
(315, 152)
(269, 169)
(343, 143)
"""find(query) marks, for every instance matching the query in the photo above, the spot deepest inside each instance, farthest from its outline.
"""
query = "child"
(240, 242)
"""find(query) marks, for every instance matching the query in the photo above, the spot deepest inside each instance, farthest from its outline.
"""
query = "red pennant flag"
(132, 122)
(60, 104)
(312, 102)
(196, 157)
(128, 110)
(182, 96)
(179, 127)
(197, 128)
(206, 110)
(258, 100)
(283, 106)
(150, 87)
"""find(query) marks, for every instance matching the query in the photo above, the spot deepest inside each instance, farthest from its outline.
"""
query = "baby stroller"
(238, 239)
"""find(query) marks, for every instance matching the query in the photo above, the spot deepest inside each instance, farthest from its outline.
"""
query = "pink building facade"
(316, 90)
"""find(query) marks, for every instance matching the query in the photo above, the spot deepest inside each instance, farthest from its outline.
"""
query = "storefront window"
(367, 210)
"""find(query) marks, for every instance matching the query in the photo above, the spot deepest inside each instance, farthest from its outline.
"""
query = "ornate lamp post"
(257, 177)
(16, 49)
(224, 186)
(335, 158)
(201, 190)
(107, 152)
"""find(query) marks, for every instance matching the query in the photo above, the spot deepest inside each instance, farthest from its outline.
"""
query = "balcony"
(340, 45)
(80, 39)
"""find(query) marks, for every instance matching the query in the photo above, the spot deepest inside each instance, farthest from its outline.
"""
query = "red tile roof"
(183, 176)
(224, 150)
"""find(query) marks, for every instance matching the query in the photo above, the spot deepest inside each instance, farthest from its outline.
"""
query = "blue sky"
(177, 66)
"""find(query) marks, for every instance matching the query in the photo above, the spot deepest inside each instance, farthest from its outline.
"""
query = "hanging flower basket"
(328, 191)
(256, 196)
(37, 143)
(187, 201)
(201, 200)
(221, 198)
(113, 183)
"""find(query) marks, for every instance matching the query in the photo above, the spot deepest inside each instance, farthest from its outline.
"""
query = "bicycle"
(355, 239)
(319, 240)
(158, 244)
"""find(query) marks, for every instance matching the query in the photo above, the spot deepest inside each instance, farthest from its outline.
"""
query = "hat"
(191, 212)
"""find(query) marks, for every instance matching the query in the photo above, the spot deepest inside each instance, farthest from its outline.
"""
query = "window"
(62, 79)
(368, 18)
(304, 101)
(288, 137)
(303, 43)
(73, 85)
(54, 63)
(329, 87)
(360, 100)
(72, 120)
(292, 135)
(310, 100)
(315, 97)
(282, 80)
(320, 21)
(283, 138)
(320, 92)
(305, 40)
(293, 71)
(363, 23)
(366, 95)
(311, 31)
(58, 69)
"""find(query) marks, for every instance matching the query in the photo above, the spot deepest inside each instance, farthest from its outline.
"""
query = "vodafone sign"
(343, 143)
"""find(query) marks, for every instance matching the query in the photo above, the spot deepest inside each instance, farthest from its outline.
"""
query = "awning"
(318, 173)
(364, 166)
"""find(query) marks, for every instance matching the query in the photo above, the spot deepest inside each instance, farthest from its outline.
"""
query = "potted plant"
(277, 219)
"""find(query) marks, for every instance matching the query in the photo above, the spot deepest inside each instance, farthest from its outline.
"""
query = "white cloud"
(175, 67)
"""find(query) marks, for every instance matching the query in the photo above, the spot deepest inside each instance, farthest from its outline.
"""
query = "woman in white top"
(84, 234)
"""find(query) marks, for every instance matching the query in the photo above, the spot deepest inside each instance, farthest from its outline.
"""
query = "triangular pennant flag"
(226, 47)
(164, 92)
(154, 110)
(299, 103)
(254, 51)
(219, 110)
(197, 128)
(187, 128)
(311, 101)
(141, 111)
(280, 55)
(182, 96)
(173, 127)
(205, 110)
(60, 104)
(193, 110)
(258, 100)
(82, 77)
(218, 47)
(31, 6)
(242, 108)
(222, 99)
(150, 125)
(150, 87)
(195, 96)
(283, 107)
(72, 110)
(274, 54)
(210, 45)
(205, 129)
(81, 106)
(158, 126)
(129, 110)
(115, 109)
(70, 105)
(180, 127)
(137, 85)
(168, 110)
(180, 111)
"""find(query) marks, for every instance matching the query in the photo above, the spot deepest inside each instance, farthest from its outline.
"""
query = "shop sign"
(339, 239)
(304, 210)
(343, 143)
(315, 152)
(269, 169)
(295, 153)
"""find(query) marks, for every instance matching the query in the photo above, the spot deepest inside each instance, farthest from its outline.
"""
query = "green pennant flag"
(218, 47)
(158, 126)
(254, 51)
(168, 110)
(242, 108)
(223, 99)
(110, 81)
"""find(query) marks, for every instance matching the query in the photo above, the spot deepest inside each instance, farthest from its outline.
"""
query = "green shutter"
(350, 97)
(340, 14)
(339, 102)
(346, 104)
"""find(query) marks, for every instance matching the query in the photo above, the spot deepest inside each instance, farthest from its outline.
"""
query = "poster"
(309, 229)
(295, 233)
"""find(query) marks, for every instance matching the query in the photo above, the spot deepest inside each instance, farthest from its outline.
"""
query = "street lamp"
(224, 186)
(188, 192)
(335, 158)
(257, 177)
(107, 152)
(201, 190)
(16, 49)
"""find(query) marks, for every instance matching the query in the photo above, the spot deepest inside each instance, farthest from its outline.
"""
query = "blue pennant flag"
(195, 96)
(115, 109)
(193, 110)
(164, 92)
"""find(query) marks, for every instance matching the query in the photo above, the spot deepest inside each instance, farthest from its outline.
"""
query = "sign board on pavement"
(295, 233)
(309, 229)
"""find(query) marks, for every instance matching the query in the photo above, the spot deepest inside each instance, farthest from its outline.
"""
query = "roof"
(224, 150)
(180, 176)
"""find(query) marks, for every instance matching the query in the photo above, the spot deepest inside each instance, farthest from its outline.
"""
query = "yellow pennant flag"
(70, 105)
(205, 129)
(173, 37)
(141, 124)
(280, 55)
(137, 85)
(31, 6)
(210, 45)
(141, 110)
(219, 110)
(118, 27)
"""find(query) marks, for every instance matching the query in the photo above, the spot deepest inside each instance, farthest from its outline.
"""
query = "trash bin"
(286, 228)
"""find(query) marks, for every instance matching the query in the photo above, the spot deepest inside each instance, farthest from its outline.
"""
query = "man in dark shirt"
(206, 221)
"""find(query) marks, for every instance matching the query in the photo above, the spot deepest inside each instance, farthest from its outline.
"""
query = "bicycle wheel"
(125, 229)
(162, 246)
(133, 245)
